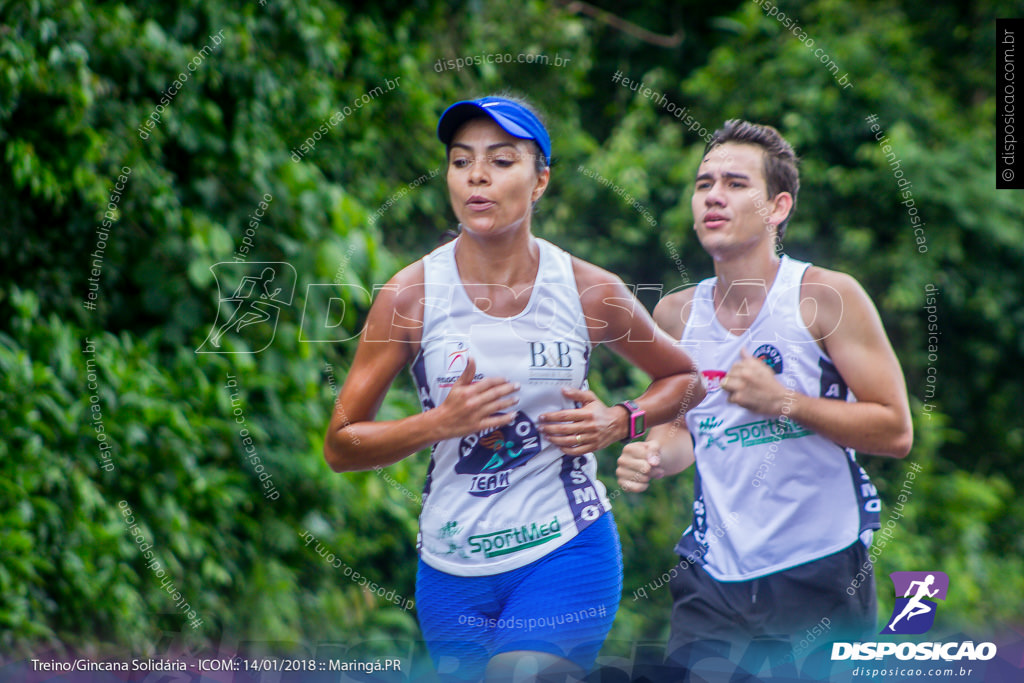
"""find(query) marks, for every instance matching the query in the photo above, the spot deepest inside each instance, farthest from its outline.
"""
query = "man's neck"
(742, 287)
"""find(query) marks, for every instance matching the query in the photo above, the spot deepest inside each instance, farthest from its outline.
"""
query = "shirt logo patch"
(491, 455)
(713, 379)
(770, 430)
(455, 356)
(550, 361)
(771, 356)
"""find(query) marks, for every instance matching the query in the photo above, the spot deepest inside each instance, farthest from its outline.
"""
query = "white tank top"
(496, 501)
(769, 494)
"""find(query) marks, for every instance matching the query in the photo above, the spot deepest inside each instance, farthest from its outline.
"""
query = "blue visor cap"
(512, 117)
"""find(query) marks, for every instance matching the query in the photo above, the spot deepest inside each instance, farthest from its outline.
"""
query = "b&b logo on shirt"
(550, 354)
(550, 361)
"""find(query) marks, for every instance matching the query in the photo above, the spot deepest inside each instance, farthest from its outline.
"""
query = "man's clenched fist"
(639, 463)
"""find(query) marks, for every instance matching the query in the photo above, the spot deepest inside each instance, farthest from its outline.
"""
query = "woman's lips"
(477, 203)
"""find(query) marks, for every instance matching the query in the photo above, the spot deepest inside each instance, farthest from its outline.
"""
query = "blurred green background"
(79, 80)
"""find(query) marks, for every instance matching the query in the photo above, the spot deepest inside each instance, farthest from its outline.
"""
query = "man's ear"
(782, 205)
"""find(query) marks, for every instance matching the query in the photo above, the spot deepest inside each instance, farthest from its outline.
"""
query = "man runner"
(782, 512)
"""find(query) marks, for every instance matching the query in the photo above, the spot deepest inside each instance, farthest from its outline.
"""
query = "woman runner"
(520, 563)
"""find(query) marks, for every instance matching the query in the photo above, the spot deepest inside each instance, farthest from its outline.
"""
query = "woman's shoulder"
(410, 276)
(590, 276)
(607, 302)
(397, 309)
(407, 287)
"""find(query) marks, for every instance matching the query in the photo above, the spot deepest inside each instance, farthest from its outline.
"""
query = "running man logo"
(258, 290)
(456, 356)
(914, 611)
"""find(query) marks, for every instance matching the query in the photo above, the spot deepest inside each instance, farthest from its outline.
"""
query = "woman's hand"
(472, 407)
(586, 429)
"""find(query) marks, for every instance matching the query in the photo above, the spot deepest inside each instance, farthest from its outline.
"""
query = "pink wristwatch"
(637, 420)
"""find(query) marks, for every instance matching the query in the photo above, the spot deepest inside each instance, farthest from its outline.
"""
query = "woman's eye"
(460, 163)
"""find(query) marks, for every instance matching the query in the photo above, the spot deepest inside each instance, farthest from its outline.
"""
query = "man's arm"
(668, 449)
(842, 317)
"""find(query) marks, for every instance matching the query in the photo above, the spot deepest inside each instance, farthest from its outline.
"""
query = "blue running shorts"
(563, 604)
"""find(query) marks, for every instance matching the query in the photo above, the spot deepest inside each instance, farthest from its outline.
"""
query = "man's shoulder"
(673, 310)
(828, 286)
(830, 297)
(677, 299)
(821, 275)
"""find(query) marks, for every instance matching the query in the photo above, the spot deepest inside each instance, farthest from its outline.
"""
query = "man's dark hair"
(780, 161)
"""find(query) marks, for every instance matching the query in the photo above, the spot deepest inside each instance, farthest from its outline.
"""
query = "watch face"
(640, 424)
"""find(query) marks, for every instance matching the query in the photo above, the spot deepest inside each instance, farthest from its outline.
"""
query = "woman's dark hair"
(539, 161)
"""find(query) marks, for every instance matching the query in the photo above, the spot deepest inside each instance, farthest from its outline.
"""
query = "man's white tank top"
(499, 500)
(769, 494)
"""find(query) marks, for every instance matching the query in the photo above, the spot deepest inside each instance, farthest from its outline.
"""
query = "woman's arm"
(390, 340)
(616, 318)
(668, 449)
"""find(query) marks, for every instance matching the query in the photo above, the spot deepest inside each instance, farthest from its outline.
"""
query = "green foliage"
(80, 80)
(178, 466)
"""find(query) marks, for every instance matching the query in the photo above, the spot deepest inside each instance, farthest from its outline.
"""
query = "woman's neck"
(497, 259)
